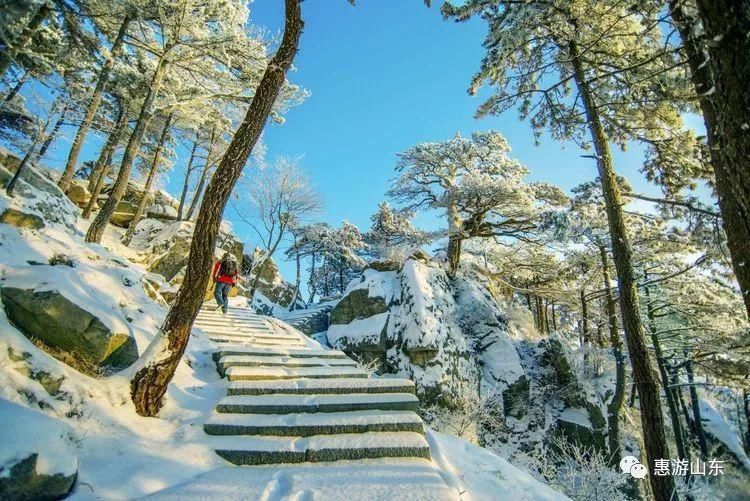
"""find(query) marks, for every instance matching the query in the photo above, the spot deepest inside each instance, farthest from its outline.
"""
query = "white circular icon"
(627, 462)
(638, 471)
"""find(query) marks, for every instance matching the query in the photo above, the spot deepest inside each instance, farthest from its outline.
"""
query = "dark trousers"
(221, 294)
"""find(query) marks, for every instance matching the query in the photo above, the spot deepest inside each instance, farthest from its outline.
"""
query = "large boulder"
(37, 456)
(164, 246)
(313, 320)
(59, 323)
(20, 219)
(162, 212)
(78, 193)
(402, 321)
(270, 282)
(36, 199)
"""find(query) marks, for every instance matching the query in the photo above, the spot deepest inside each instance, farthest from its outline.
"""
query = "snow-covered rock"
(404, 321)
(270, 282)
(37, 455)
(36, 201)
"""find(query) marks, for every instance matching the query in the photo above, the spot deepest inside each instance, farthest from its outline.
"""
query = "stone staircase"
(290, 403)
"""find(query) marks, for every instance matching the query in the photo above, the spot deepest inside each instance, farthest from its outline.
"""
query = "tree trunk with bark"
(93, 106)
(720, 82)
(652, 420)
(149, 384)
(454, 254)
(696, 408)
(17, 88)
(204, 175)
(618, 398)
(53, 134)
(584, 319)
(149, 183)
(22, 166)
(23, 40)
(104, 162)
(96, 230)
(661, 364)
(186, 183)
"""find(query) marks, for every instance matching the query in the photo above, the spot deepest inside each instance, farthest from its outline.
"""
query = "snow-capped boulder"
(39, 465)
(78, 193)
(164, 246)
(36, 201)
(20, 219)
(404, 322)
(492, 340)
(270, 282)
(162, 212)
(53, 305)
(582, 420)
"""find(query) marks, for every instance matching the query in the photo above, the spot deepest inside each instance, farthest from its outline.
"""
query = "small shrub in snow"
(473, 413)
(578, 471)
(63, 259)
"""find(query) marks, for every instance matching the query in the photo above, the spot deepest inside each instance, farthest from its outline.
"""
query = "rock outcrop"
(40, 466)
(270, 282)
(403, 321)
(59, 323)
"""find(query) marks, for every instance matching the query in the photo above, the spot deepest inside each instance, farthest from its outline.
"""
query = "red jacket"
(220, 277)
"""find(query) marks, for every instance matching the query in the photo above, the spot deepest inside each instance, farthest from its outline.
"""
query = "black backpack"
(229, 266)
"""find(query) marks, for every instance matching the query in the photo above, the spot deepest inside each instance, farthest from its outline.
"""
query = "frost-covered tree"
(392, 234)
(150, 382)
(280, 199)
(579, 68)
(476, 184)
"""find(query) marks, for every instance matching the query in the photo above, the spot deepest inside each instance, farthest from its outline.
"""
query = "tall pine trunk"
(17, 46)
(88, 118)
(17, 88)
(696, 408)
(618, 398)
(720, 82)
(96, 230)
(584, 319)
(186, 183)
(104, 162)
(204, 175)
(150, 382)
(661, 363)
(652, 420)
(149, 183)
(52, 134)
(22, 166)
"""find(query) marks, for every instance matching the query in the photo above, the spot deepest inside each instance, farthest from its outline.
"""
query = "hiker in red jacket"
(225, 277)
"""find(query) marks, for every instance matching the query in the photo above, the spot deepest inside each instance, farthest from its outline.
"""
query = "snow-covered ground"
(90, 425)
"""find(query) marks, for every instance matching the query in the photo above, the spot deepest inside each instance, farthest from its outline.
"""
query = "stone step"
(224, 342)
(288, 404)
(305, 425)
(255, 450)
(279, 352)
(260, 339)
(255, 335)
(321, 386)
(253, 361)
(228, 327)
(261, 373)
(220, 317)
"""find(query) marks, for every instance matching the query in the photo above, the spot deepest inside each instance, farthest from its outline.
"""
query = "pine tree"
(149, 384)
(537, 51)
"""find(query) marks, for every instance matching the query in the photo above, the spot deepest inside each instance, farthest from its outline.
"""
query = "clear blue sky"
(383, 76)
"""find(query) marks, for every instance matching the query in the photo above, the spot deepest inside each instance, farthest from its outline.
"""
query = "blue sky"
(383, 76)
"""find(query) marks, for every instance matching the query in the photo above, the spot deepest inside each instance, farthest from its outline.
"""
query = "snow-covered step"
(228, 327)
(223, 341)
(283, 341)
(305, 425)
(321, 386)
(260, 373)
(254, 450)
(288, 404)
(254, 361)
(219, 317)
(279, 352)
